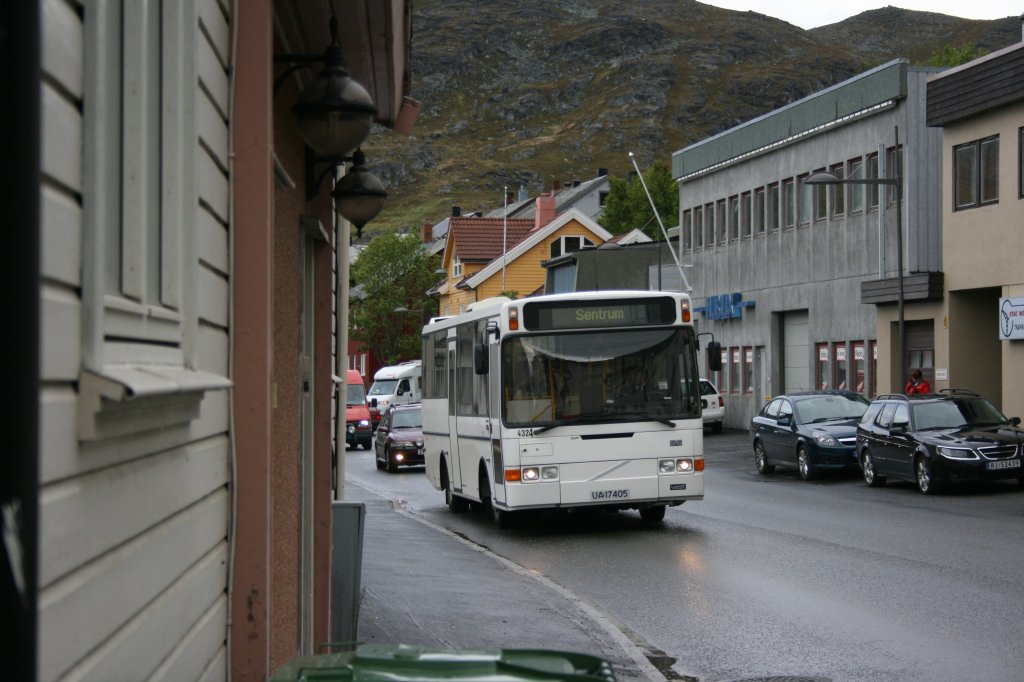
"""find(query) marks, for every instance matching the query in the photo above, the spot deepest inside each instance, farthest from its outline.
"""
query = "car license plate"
(1008, 464)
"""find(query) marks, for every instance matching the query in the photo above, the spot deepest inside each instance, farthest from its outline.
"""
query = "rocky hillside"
(521, 92)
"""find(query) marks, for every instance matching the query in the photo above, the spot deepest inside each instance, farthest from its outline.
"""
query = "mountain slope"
(522, 93)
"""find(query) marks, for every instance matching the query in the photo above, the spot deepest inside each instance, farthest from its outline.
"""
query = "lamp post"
(895, 181)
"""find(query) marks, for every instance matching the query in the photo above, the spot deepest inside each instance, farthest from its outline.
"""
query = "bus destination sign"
(590, 314)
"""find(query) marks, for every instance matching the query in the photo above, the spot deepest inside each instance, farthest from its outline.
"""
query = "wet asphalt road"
(772, 576)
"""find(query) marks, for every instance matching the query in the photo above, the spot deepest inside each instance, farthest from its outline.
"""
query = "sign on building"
(1011, 318)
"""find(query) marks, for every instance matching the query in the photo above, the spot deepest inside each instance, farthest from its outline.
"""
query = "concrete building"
(798, 282)
(980, 331)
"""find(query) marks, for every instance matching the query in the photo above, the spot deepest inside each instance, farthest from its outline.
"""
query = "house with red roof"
(485, 256)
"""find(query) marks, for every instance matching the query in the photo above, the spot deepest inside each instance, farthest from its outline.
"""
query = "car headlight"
(419, 443)
(351, 428)
(404, 444)
(364, 422)
(957, 453)
(825, 440)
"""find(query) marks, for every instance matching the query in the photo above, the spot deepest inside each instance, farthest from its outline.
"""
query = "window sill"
(126, 399)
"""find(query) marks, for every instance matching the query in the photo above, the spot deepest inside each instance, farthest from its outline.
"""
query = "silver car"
(713, 405)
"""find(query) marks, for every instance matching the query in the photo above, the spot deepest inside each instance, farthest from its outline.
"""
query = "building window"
(568, 244)
(822, 376)
(748, 370)
(698, 227)
(859, 362)
(759, 210)
(745, 214)
(456, 265)
(734, 371)
(820, 202)
(773, 206)
(839, 364)
(872, 175)
(1020, 163)
(806, 200)
(976, 173)
(709, 224)
(873, 373)
(720, 221)
(838, 192)
(856, 172)
(894, 163)
(789, 202)
(734, 217)
(687, 230)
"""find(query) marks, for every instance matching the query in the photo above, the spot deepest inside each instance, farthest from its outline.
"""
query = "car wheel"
(803, 463)
(923, 476)
(392, 467)
(867, 465)
(761, 459)
(716, 427)
(377, 459)
(653, 515)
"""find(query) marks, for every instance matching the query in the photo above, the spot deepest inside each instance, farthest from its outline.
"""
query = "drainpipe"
(20, 193)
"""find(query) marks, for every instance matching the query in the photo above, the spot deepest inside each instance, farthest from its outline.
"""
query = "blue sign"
(724, 306)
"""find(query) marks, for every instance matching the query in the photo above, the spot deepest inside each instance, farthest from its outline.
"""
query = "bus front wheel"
(456, 504)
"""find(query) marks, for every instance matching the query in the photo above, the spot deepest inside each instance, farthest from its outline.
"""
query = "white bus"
(589, 399)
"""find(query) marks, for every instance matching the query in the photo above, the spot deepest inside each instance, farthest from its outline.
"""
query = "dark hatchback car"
(936, 439)
(813, 431)
(399, 437)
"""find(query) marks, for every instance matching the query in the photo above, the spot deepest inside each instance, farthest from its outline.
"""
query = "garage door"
(795, 363)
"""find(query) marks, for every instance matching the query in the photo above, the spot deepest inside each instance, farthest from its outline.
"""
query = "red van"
(357, 414)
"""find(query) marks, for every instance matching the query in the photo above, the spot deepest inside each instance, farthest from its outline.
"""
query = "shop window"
(734, 370)
(822, 373)
(839, 365)
(859, 361)
(748, 370)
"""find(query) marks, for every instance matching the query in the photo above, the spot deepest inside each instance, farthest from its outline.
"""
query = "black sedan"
(937, 439)
(398, 440)
(812, 431)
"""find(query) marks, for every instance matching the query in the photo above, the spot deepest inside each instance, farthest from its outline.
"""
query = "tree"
(950, 56)
(628, 208)
(394, 271)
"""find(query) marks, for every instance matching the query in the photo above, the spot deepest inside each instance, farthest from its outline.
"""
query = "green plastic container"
(403, 663)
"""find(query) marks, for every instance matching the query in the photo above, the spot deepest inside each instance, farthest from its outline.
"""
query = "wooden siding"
(984, 84)
(133, 529)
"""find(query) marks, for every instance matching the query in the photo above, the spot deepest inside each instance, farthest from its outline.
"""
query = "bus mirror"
(480, 358)
(715, 356)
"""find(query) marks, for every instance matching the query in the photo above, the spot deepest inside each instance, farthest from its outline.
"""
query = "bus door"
(493, 382)
(455, 466)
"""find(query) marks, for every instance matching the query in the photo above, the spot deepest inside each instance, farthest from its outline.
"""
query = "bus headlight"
(683, 465)
(534, 474)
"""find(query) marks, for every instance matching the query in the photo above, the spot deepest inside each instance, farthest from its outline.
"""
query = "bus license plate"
(620, 494)
(1008, 464)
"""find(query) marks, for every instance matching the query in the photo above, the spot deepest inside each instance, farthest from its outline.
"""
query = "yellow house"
(486, 256)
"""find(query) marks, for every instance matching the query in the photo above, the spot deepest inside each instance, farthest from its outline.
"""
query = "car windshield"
(407, 419)
(953, 414)
(354, 394)
(383, 387)
(826, 408)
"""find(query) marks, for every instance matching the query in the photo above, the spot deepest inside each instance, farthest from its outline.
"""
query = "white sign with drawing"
(1011, 318)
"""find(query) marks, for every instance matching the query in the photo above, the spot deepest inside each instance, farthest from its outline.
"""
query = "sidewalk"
(424, 585)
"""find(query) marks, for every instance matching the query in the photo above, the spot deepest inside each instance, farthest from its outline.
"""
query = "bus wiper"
(646, 417)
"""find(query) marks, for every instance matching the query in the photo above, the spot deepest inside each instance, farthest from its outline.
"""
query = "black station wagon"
(935, 439)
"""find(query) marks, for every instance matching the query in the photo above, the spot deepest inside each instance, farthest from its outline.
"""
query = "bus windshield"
(621, 375)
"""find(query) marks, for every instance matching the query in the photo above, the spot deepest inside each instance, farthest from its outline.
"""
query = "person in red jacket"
(917, 384)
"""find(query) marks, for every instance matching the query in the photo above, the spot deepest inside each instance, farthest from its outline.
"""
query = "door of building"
(795, 353)
(921, 348)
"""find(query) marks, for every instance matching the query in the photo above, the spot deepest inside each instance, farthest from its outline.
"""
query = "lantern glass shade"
(360, 195)
(334, 113)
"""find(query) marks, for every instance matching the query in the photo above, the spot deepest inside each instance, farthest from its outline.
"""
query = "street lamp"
(895, 181)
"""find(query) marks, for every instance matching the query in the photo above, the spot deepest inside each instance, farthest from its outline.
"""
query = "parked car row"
(931, 440)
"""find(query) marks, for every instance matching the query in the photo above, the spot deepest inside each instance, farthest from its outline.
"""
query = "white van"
(395, 385)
